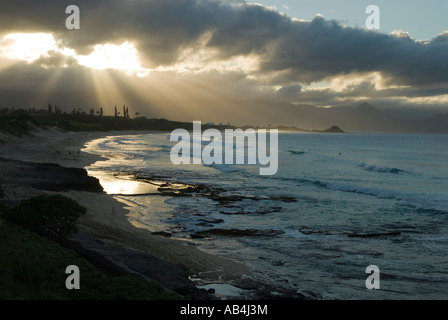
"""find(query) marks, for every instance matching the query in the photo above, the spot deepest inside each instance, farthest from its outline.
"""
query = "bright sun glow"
(110, 56)
(30, 46)
(27, 46)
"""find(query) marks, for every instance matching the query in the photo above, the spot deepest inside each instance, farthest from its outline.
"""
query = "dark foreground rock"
(48, 176)
(119, 260)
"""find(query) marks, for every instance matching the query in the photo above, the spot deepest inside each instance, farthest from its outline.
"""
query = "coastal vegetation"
(33, 267)
(21, 122)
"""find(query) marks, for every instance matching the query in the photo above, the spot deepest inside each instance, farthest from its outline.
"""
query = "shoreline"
(107, 217)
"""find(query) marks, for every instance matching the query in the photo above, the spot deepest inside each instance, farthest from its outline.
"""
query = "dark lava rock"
(239, 233)
(283, 198)
(209, 222)
(373, 235)
(296, 152)
(119, 260)
(278, 263)
(162, 233)
(213, 221)
(228, 213)
(197, 236)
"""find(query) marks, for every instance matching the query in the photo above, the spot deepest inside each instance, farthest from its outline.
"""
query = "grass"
(33, 267)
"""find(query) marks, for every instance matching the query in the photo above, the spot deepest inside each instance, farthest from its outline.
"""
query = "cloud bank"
(237, 49)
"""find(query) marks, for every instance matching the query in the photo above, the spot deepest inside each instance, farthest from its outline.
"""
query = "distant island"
(332, 129)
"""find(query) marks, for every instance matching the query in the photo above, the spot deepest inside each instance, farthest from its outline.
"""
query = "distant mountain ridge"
(363, 118)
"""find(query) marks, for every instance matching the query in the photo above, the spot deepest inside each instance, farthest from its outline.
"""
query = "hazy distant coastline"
(24, 121)
(288, 117)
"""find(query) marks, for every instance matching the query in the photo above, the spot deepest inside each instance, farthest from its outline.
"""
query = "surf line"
(190, 151)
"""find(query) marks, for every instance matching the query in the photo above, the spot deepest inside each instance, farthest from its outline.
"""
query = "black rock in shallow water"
(373, 235)
(237, 233)
(162, 233)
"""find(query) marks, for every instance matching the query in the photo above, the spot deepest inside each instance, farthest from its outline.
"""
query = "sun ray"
(6, 63)
(106, 90)
(50, 85)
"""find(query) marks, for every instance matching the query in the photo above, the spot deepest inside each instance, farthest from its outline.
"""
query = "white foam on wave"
(222, 167)
(375, 168)
(418, 200)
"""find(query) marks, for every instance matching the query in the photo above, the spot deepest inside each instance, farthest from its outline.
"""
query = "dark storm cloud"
(365, 91)
(290, 92)
(289, 51)
(55, 59)
(319, 49)
(24, 76)
(160, 29)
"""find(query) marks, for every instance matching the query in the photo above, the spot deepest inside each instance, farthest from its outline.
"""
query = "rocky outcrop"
(119, 260)
(48, 176)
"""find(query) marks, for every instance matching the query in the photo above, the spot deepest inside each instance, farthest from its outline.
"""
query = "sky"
(423, 20)
(207, 58)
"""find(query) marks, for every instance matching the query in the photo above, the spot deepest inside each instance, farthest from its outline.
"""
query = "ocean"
(337, 204)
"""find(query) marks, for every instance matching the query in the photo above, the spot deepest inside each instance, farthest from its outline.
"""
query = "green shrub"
(55, 213)
(33, 267)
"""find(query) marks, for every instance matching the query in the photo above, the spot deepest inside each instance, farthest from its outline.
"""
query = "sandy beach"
(107, 219)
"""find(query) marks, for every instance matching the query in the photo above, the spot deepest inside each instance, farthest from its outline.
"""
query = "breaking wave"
(375, 168)
(434, 202)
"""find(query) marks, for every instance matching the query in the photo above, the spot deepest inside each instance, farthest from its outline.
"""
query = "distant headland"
(22, 122)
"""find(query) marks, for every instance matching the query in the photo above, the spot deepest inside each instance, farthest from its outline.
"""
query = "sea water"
(337, 204)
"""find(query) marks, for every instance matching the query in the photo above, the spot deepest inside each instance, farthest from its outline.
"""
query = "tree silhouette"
(116, 113)
(50, 109)
(101, 111)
